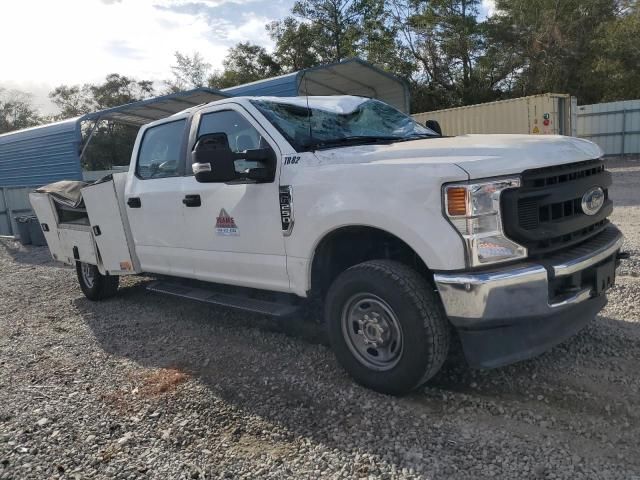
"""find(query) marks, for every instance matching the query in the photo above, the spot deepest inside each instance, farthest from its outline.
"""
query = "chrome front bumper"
(508, 303)
(523, 289)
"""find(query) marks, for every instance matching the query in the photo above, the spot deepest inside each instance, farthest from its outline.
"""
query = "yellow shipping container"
(546, 114)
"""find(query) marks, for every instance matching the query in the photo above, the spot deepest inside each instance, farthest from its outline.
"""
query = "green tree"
(335, 25)
(245, 63)
(455, 65)
(378, 39)
(111, 143)
(616, 66)
(189, 71)
(295, 47)
(72, 100)
(554, 42)
(118, 90)
(17, 111)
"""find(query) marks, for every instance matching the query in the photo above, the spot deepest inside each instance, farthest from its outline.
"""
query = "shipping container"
(546, 114)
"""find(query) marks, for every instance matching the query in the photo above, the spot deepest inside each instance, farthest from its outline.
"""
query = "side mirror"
(259, 174)
(433, 125)
(214, 160)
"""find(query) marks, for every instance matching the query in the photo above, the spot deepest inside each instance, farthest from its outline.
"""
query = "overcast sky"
(44, 43)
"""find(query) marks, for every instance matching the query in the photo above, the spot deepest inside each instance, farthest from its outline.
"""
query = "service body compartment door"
(67, 242)
(45, 211)
(77, 244)
(109, 228)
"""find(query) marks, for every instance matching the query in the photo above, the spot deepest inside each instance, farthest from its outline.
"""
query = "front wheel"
(94, 285)
(387, 326)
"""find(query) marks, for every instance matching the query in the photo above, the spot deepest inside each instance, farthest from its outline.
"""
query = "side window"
(159, 154)
(241, 134)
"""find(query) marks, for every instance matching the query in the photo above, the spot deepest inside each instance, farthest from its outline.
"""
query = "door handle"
(134, 202)
(192, 200)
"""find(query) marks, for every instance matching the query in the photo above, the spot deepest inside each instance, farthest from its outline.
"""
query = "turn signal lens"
(457, 201)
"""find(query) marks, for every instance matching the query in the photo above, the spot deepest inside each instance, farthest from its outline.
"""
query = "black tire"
(102, 286)
(424, 328)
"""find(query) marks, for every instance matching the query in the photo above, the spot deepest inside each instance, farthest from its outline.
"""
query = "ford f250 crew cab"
(407, 237)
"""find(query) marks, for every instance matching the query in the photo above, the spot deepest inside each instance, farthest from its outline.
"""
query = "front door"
(154, 199)
(235, 235)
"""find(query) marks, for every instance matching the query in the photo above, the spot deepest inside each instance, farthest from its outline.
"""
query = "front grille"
(545, 214)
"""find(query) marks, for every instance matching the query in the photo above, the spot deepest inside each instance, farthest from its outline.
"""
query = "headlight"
(474, 210)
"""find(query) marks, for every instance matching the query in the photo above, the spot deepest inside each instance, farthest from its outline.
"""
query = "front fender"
(403, 200)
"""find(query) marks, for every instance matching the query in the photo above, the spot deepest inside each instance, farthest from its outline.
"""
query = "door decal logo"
(225, 225)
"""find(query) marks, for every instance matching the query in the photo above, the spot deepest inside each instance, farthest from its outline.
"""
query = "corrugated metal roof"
(41, 155)
(152, 109)
(282, 86)
(349, 77)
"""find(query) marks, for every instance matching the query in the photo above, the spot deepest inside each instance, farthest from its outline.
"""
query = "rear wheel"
(94, 285)
(387, 326)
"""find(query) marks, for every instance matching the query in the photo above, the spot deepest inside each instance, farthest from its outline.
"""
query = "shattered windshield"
(338, 121)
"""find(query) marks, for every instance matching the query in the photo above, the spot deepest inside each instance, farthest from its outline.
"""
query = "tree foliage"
(245, 63)
(452, 55)
(16, 111)
(554, 43)
(189, 71)
(448, 52)
(617, 62)
(111, 143)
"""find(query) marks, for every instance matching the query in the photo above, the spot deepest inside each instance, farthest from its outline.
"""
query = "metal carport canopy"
(355, 77)
(152, 109)
(352, 76)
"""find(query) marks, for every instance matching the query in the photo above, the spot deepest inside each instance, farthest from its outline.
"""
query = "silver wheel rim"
(87, 274)
(372, 331)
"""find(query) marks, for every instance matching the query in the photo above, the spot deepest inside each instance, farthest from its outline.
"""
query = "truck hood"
(479, 155)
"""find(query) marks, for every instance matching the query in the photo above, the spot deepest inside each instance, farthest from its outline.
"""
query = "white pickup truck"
(408, 237)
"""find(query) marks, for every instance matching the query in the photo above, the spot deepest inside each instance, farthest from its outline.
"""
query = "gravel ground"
(147, 386)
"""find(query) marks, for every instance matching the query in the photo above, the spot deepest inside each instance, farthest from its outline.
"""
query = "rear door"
(153, 199)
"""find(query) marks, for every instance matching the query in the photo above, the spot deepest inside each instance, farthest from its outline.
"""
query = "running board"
(240, 302)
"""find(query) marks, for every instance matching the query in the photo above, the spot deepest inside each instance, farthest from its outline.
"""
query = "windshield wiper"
(353, 140)
(417, 136)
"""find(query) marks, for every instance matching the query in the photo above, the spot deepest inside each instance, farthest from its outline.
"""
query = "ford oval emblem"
(593, 200)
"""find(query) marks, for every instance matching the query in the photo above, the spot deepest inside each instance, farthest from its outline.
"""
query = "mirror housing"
(259, 174)
(214, 162)
(433, 125)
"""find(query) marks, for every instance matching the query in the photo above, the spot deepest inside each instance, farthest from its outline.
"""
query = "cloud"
(123, 49)
(136, 38)
(231, 21)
